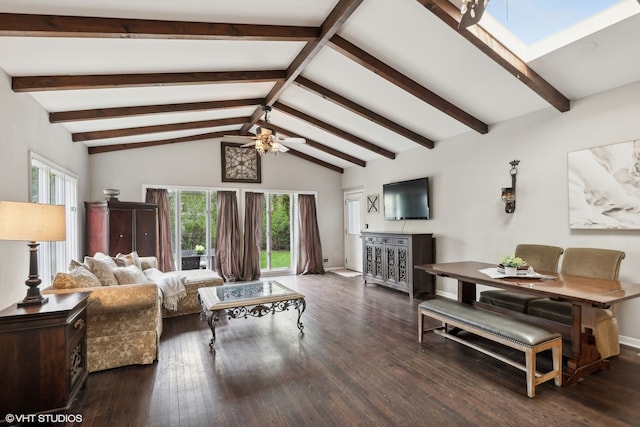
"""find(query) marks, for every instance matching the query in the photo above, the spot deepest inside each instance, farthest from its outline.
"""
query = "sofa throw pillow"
(129, 275)
(75, 264)
(147, 262)
(77, 278)
(130, 259)
(103, 269)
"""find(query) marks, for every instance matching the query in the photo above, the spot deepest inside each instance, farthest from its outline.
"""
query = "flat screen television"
(406, 199)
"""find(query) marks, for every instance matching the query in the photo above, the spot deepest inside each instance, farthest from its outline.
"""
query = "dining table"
(583, 293)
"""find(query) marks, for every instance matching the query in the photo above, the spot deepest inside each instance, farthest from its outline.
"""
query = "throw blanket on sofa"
(171, 285)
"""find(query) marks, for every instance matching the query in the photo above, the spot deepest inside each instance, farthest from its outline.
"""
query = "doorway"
(353, 227)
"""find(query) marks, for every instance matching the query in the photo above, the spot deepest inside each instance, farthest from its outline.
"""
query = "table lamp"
(32, 222)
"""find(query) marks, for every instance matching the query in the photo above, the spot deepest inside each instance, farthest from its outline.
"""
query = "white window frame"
(56, 256)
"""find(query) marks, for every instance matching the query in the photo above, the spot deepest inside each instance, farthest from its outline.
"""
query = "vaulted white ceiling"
(401, 62)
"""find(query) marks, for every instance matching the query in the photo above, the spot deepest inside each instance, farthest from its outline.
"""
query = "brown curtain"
(310, 256)
(228, 237)
(160, 196)
(253, 203)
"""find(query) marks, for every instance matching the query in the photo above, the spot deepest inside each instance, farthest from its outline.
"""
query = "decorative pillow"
(75, 264)
(129, 275)
(103, 269)
(77, 278)
(119, 262)
(147, 262)
(130, 259)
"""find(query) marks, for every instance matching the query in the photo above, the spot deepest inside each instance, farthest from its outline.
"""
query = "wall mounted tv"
(406, 199)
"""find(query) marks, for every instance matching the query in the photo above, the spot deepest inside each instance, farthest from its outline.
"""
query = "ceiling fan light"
(274, 147)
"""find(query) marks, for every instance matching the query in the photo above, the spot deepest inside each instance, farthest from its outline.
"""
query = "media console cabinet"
(388, 260)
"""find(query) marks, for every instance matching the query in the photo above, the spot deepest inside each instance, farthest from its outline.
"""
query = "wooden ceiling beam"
(314, 160)
(117, 133)
(334, 130)
(330, 26)
(362, 111)
(130, 146)
(383, 70)
(317, 145)
(101, 81)
(498, 52)
(27, 25)
(116, 112)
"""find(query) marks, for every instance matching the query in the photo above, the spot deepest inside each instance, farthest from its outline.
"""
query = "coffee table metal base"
(251, 307)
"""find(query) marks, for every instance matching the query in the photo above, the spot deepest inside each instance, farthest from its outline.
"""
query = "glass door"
(277, 232)
(193, 228)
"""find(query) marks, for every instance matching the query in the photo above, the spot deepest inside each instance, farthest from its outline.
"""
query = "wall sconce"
(509, 193)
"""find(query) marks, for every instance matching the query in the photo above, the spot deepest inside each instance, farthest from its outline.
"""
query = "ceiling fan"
(265, 139)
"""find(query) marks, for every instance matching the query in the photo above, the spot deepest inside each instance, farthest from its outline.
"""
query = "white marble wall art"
(604, 187)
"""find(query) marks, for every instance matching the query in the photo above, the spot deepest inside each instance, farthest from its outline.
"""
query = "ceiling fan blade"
(238, 138)
(294, 140)
(249, 144)
(282, 148)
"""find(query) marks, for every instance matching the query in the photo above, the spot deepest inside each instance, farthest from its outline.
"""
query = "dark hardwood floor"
(358, 363)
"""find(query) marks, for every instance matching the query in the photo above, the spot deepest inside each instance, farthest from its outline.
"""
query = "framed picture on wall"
(373, 203)
(604, 187)
(240, 164)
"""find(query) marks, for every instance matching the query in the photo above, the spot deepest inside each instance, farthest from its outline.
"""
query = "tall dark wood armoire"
(114, 227)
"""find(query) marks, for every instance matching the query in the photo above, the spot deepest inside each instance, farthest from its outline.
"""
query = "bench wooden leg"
(556, 354)
(534, 379)
(530, 357)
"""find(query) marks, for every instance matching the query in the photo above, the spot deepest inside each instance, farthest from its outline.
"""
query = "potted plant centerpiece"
(512, 264)
(199, 250)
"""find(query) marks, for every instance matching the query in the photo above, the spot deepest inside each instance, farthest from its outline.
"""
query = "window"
(194, 217)
(51, 184)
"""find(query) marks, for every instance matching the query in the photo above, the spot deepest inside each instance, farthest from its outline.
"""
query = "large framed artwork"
(240, 164)
(604, 187)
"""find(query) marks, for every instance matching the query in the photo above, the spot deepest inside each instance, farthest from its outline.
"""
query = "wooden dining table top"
(598, 292)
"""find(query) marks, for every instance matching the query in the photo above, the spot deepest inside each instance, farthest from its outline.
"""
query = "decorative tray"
(498, 273)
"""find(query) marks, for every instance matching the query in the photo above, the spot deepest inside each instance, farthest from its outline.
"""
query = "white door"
(353, 222)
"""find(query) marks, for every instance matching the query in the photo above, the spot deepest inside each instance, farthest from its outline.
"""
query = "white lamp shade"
(32, 222)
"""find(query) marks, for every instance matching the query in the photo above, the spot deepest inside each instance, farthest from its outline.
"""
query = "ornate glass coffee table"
(255, 299)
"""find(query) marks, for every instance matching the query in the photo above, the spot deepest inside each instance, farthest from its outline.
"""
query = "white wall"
(24, 126)
(467, 173)
(198, 164)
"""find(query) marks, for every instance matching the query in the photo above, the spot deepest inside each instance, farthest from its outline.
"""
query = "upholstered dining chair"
(594, 263)
(542, 258)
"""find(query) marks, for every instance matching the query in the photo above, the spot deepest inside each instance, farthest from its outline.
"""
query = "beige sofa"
(124, 322)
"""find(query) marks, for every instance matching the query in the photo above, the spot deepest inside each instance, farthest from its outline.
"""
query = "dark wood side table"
(44, 353)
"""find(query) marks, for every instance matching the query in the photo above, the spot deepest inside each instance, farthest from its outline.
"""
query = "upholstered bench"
(505, 330)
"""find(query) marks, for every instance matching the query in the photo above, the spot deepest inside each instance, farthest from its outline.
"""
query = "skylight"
(534, 20)
(533, 28)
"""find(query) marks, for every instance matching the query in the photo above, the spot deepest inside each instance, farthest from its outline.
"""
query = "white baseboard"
(444, 294)
(631, 342)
